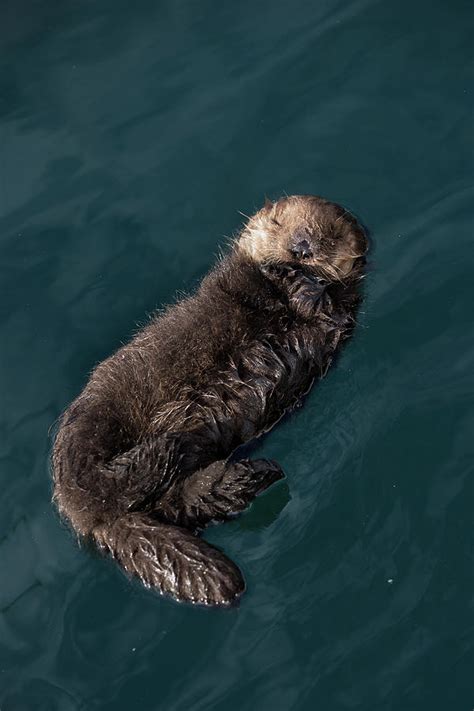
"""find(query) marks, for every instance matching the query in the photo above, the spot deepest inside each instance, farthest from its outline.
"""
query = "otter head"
(306, 231)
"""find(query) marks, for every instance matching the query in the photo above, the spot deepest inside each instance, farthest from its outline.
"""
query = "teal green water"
(131, 134)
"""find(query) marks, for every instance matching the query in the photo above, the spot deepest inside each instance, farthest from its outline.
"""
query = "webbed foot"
(217, 492)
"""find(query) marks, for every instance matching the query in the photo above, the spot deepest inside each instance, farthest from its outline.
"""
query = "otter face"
(305, 230)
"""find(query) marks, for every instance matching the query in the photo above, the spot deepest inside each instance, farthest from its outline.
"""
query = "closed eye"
(275, 222)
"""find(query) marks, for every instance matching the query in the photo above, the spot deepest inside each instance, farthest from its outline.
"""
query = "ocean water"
(131, 135)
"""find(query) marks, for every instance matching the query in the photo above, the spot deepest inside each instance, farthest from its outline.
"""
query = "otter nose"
(302, 250)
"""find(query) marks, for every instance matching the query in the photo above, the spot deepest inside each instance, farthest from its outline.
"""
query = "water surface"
(131, 134)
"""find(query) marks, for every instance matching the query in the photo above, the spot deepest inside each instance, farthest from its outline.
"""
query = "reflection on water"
(130, 136)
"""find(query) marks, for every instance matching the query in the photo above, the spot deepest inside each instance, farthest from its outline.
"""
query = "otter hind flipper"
(217, 492)
(171, 560)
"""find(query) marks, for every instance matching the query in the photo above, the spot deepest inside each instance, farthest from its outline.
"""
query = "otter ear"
(268, 205)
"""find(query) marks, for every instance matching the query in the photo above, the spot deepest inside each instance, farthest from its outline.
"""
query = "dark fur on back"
(140, 461)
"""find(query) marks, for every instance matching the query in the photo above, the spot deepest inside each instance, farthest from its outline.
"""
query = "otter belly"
(247, 398)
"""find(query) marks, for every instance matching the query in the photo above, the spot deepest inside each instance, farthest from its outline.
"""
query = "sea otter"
(142, 458)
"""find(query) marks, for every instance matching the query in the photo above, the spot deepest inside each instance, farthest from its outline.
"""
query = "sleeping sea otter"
(141, 459)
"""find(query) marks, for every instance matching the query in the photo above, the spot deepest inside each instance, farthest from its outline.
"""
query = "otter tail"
(171, 559)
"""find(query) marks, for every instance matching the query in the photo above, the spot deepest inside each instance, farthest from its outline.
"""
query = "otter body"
(141, 458)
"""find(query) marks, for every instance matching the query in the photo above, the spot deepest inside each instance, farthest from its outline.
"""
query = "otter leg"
(217, 492)
(139, 477)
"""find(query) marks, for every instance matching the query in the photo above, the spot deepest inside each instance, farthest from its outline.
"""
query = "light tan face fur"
(331, 237)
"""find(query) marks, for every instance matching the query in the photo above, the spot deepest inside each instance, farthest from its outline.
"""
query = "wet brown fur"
(141, 457)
